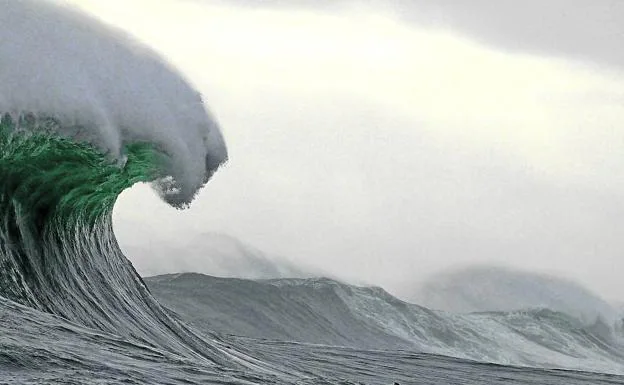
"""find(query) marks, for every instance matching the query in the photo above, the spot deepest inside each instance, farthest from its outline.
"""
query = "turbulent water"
(85, 113)
(324, 311)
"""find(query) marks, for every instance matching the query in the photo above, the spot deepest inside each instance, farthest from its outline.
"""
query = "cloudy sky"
(385, 141)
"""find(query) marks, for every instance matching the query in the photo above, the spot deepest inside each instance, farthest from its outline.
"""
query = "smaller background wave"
(328, 312)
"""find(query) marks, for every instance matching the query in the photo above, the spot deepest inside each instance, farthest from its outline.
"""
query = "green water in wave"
(56, 202)
(44, 174)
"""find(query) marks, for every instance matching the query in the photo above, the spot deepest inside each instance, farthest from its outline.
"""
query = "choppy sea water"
(37, 348)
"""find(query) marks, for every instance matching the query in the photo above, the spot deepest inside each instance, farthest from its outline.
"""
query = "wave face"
(58, 252)
(323, 311)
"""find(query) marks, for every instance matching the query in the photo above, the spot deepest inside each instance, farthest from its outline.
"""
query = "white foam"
(57, 61)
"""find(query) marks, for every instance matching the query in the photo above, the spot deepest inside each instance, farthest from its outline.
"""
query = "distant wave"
(324, 311)
(497, 288)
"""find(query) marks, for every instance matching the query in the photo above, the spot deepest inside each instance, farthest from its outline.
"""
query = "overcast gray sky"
(384, 141)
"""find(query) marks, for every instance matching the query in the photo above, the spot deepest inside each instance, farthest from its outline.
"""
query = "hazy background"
(386, 141)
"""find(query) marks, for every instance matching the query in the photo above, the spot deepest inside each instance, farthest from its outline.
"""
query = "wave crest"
(66, 66)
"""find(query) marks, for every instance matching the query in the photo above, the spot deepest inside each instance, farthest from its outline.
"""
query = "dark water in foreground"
(38, 348)
(380, 367)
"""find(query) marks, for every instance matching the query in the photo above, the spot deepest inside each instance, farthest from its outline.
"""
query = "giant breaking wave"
(85, 112)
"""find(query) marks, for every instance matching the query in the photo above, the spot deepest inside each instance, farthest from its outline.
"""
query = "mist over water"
(496, 288)
(214, 254)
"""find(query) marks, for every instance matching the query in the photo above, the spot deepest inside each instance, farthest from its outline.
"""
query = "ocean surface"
(40, 348)
(85, 113)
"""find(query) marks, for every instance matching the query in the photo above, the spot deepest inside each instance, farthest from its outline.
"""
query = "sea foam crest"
(58, 62)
